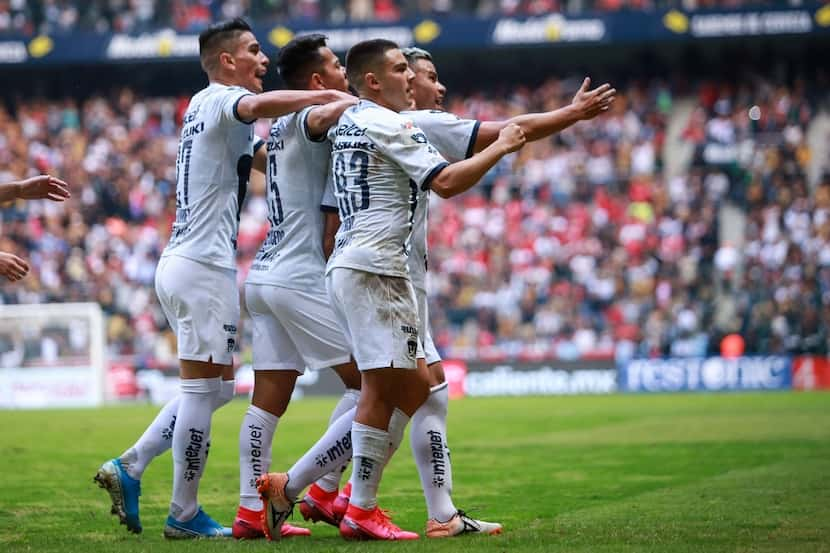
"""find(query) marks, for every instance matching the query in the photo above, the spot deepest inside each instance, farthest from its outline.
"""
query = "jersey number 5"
(274, 204)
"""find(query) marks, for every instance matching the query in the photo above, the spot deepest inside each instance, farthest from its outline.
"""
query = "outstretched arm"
(277, 103)
(586, 104)
(41, 187)
(459, 177)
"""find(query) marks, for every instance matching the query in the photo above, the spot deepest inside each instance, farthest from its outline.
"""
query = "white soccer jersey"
(212, 171)
(380, 161)
(296, 177)
(454, 138)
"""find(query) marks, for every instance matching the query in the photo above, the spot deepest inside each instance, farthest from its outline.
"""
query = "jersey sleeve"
(328, 203)
(302, 121)
(228, 104)
(452, 136)
(407, 146)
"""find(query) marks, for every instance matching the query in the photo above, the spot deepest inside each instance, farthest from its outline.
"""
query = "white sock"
(255, 437)
(428, 438)
(397, 426)
(155, 440)
(190, 438)
(226, 392)
(324, 456)
(371, 446)
(331, 481)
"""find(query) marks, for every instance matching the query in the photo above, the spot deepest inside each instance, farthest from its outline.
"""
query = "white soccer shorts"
(379, 317)
(430, 351)
(201, 303)
(294, 329)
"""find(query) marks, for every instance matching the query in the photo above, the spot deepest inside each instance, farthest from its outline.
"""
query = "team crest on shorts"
(413, 347)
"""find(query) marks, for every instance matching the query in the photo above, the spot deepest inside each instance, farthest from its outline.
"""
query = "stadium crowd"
(575, 247)
(57, 16)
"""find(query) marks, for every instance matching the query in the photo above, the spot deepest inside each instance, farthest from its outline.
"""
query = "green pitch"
(676, 473)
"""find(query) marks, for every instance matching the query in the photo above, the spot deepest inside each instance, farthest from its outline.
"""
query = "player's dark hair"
(217, 38)
(365, 57)
(413, 54)
(301, 58)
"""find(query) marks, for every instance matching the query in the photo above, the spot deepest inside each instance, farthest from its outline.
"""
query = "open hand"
(43, 187)
(12, 267)
(591, 103)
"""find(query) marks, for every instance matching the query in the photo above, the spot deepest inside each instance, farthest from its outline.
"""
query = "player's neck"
(379, 100)
(223, 80)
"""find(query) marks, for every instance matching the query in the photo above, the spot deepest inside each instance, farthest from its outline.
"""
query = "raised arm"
(459, 177)
(41, 187)
(277, 103)
(586, 104)
(321, 118)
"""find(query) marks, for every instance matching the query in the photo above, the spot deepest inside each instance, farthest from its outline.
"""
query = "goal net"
(51, 355)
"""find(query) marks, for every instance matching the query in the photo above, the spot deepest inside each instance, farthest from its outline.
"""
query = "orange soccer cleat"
(276, 505)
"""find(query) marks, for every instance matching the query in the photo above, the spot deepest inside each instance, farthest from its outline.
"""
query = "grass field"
(619, 473)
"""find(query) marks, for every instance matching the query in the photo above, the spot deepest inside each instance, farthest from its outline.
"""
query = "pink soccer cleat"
(360, 524)
(318, 506)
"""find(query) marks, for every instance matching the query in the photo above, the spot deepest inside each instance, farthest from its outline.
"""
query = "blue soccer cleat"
(124, 491)
(200, 526)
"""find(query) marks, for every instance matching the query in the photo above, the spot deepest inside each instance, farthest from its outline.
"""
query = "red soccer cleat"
(338, 508)
(360, 524)
(248, 526)
(318, 506)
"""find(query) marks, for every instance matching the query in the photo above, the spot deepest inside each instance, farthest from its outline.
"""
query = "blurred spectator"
(575, 247)
(59, 16)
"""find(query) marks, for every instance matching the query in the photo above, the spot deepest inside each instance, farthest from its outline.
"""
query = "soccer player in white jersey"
(380, 160)
(294, 327)
(457, 139)
(196, 276)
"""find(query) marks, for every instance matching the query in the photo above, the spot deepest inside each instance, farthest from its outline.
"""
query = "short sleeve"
(409, 148)
(328, 203)
(228, 103)
(452, 136)
(302, 121)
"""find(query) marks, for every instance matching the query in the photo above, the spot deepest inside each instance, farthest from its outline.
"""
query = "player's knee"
(273, 389)
(415, 392)
(349, 374)
(436, 374)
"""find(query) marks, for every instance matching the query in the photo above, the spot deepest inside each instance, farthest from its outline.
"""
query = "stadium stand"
(61, 16)
(580, 247)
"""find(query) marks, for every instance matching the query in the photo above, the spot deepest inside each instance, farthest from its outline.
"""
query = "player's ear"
(316, 82)
(226, 60)
(371, 81)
